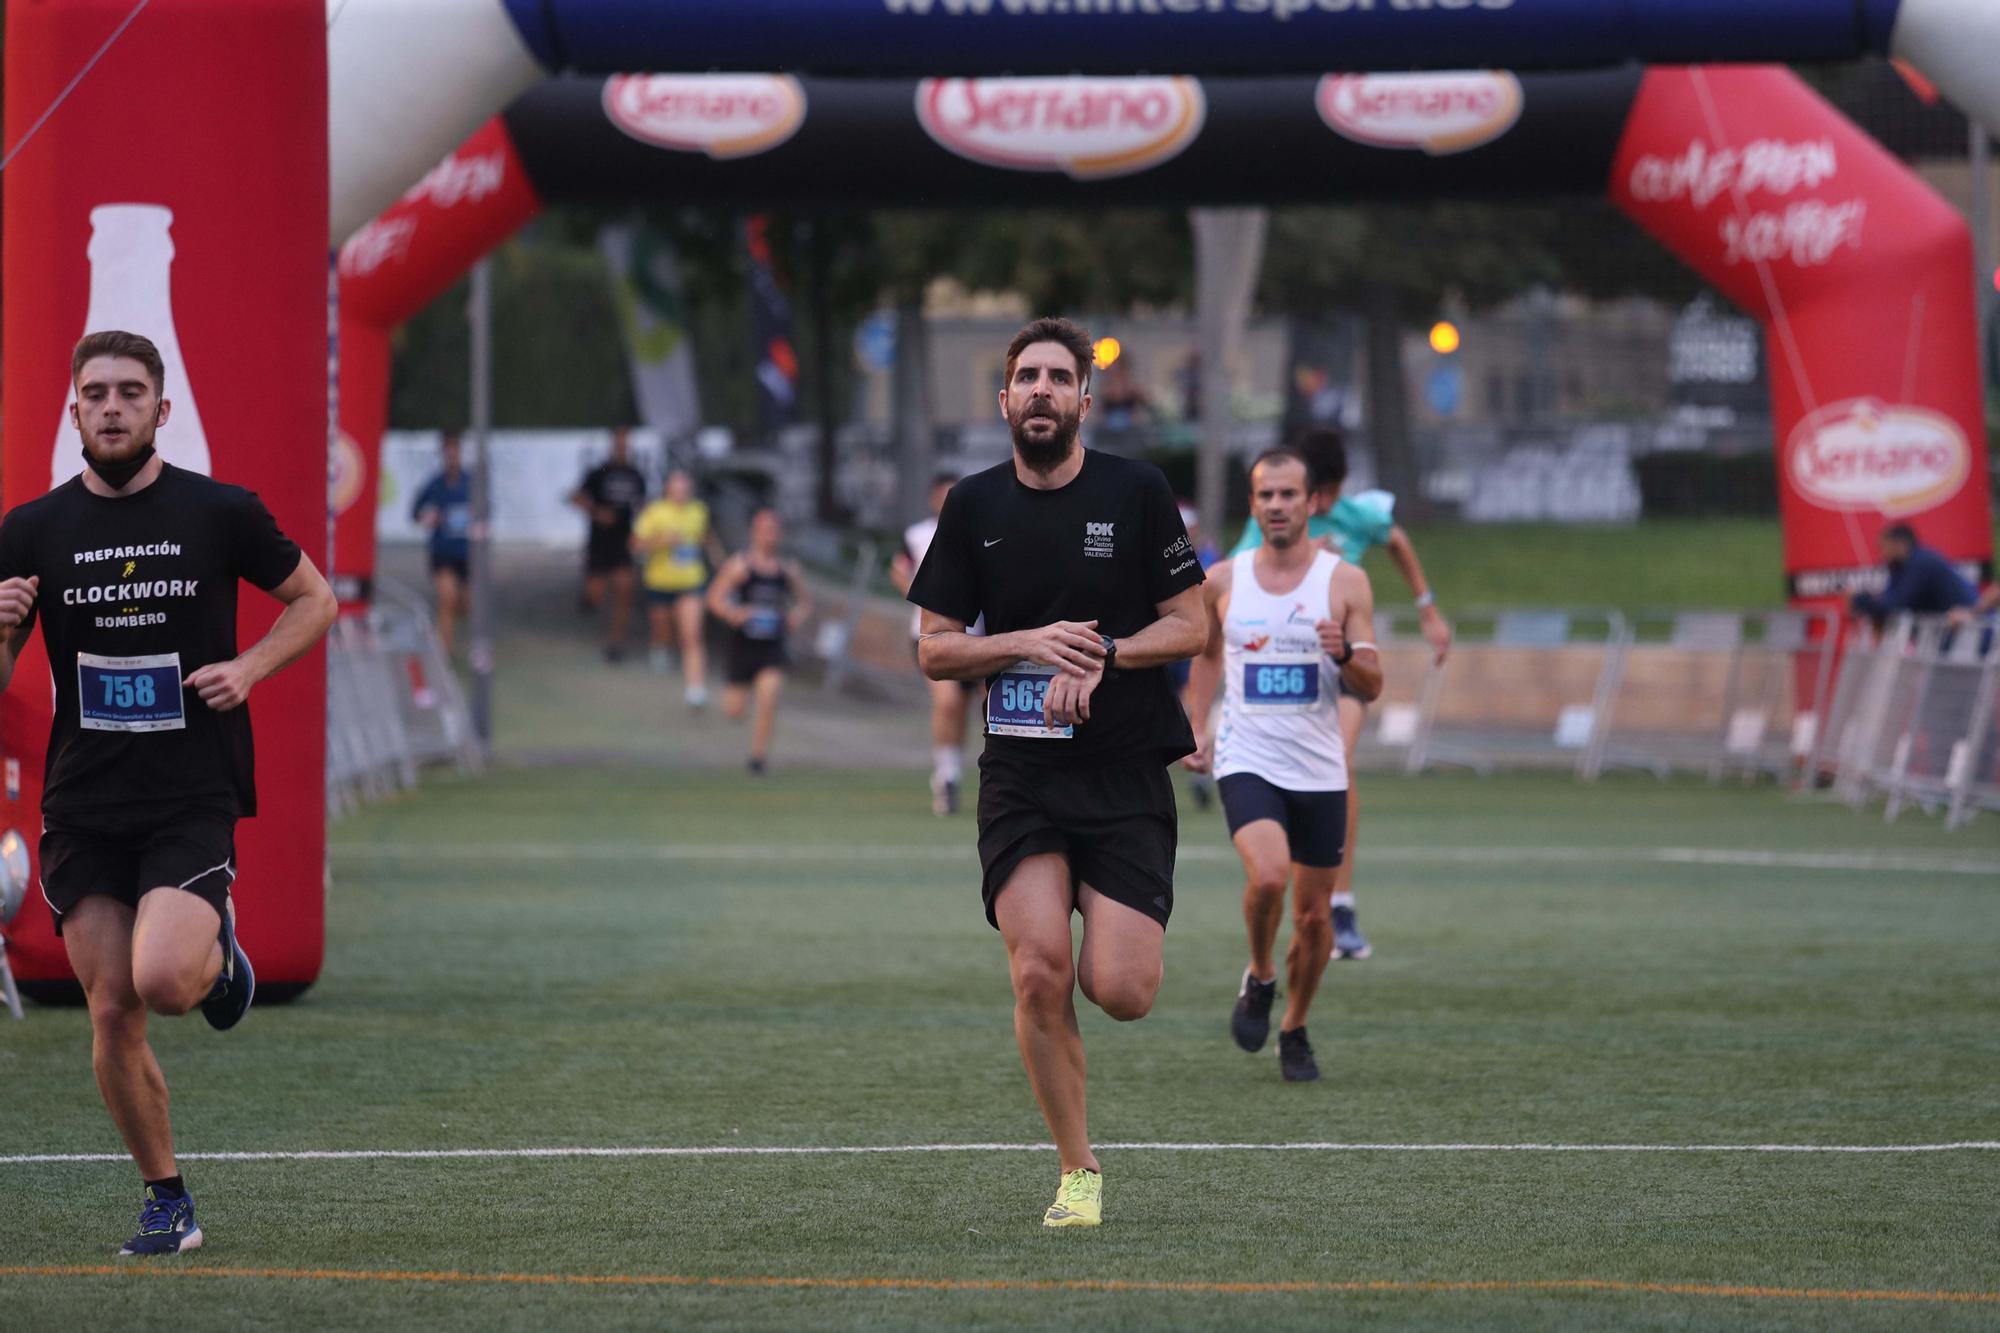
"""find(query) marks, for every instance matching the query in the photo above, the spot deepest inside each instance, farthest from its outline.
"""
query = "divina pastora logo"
(722, 115)
(1086, 128)
(1866, 454)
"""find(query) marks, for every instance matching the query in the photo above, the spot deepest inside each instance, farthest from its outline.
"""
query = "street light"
(1444, 337)
(1106, 351)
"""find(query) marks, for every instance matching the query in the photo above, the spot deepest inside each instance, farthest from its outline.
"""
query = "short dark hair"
(1283, 454)
(1054, 329)
(1901, 532)
(1325, 452)
(117, 342)
(943, 479)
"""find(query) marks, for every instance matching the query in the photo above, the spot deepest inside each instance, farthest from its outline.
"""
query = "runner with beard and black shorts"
(132, 570)
(1089, 586)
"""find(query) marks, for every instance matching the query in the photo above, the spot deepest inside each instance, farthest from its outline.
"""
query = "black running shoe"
(756, 767)
(235, 986)
(1250, 1025)
(1295, 1056)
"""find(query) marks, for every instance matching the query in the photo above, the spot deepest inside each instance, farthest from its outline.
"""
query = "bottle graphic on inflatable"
(131, 288)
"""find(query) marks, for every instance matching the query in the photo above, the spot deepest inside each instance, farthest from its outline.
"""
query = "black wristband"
(1346, 655)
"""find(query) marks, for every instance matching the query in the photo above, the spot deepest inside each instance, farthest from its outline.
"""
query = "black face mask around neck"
(116, 475)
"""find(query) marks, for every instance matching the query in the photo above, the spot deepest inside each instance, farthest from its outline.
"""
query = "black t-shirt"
(1109, 547)
(125, 583)
(618, 486)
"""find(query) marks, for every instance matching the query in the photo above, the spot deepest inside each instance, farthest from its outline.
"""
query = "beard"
(116, 473)
(1046, 455)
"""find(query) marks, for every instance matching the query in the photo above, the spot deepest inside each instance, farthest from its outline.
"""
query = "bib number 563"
(1023, 696)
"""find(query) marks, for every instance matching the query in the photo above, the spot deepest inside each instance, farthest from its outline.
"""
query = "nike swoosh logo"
(996, 541)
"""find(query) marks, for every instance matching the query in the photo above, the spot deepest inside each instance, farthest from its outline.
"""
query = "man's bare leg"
(768, 685)
(1119, 965)
(1267, 865)
(1033, 911)
(164, 958)
(1312, 941)
(688, 612)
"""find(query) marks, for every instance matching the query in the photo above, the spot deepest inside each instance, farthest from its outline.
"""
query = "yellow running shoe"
(1080, 1201)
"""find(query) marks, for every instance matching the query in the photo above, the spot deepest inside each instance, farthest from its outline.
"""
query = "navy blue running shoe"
(1250, 1021)
(236, 985)
(166, 1226)
(1349, 944)
(1295, 1056)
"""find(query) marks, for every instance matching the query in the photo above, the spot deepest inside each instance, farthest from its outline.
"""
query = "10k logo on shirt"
(1097, 539)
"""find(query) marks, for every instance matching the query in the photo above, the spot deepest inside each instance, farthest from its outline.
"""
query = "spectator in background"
(674, 538)
(444, 510)
(1920, 580)
(610, 494)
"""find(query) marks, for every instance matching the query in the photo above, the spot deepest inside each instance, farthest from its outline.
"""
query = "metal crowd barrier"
(393, 703)
(1717, 692)
(1521, 688)
(1916, 718)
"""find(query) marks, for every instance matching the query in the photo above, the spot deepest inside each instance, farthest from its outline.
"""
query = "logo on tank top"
(1866, 454)
(722, 115)
(1097, 539)
(1439, 113)
(1086, 128)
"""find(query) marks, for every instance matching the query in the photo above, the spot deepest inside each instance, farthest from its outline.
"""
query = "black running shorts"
(747, 658)
(1315, 822)
(605, 551)
(128, 856)
(1116, 824)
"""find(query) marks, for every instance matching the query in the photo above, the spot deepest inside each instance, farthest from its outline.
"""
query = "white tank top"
(1280, 702)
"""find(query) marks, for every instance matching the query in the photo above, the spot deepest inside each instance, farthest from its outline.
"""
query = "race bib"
(129, 693)
(1014, 703)
(687, 553)
(1280, 683)
(764, 623)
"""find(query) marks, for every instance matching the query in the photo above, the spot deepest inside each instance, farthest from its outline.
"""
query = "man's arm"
(309, 611)
(1206, 673)
(1181, 631)
(946, 652)
(802, 602)
(1350, 623)
(1436, 630)
(724, 589)
(17, 597)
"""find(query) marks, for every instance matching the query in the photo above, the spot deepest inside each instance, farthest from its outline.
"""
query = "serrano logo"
(1439, 113)
(1086, 128)
(722, 115)
(1865, 454)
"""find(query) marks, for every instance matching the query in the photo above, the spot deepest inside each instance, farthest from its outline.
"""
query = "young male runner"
(762, 597)
(1291, 629)
(610, 495)
(444, 508)
(1349, 526)
(1079, 563)
(132, 568)
(948, 697)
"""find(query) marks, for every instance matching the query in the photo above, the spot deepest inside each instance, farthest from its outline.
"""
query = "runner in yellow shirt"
(674, 539)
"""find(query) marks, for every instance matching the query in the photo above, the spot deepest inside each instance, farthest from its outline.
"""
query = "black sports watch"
(1110, 652)
(1346, 655)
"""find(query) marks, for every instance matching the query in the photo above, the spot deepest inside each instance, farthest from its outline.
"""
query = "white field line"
(825, 853)
(888, 1149)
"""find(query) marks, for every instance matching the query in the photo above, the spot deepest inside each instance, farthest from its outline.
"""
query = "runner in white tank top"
(1289, 630)
(1280, 702)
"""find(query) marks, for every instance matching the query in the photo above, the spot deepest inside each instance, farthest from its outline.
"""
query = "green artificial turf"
(629, 956)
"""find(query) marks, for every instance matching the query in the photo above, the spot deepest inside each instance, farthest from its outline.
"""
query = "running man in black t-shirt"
(132, 569)
(1089, 586)
(762, 597)
(610, 494)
